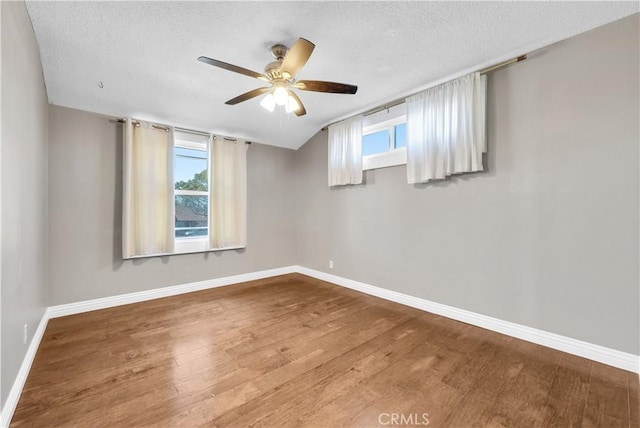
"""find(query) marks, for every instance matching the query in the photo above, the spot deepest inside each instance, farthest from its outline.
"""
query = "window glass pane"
(378, 142)
(190, 169)
(401, 135)
(191, 215)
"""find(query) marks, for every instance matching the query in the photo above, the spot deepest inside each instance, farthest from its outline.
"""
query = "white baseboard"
(141, 296)
(16, 389)
(577, 347)
(598, 353)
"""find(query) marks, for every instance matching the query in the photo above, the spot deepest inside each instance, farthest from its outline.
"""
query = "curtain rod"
(189, 131)
(397, 102)
(136, 123)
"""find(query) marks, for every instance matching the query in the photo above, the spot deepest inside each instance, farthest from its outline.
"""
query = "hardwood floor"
(294, 351)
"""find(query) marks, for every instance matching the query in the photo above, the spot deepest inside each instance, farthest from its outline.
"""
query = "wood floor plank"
(284, 398)
(364, 330)
(633, 399)
(356, 376)
(416, 375)
(296, 351)
(608, 398)
(567, 396)
(483, 404)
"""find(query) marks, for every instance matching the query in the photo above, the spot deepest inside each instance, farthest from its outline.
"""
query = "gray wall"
(23, 274)
(85, 185)
(548, 237)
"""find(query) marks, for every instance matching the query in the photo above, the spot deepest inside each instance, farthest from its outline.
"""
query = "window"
(384, 143)
(191, 192)
(191, 178)
(197, 208)
(376, 142)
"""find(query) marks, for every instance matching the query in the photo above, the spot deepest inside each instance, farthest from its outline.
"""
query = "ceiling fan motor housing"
(273, 68)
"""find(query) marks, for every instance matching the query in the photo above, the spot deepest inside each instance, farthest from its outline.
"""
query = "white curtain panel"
(446, 129)
(148, 211)
(228, 204)
(345, 152)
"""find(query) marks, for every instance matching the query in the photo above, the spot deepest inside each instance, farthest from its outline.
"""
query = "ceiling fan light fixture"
(280, 96)
(268, 102)
(292, 104)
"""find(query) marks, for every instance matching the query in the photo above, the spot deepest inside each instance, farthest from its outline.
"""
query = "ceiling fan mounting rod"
(279, 51)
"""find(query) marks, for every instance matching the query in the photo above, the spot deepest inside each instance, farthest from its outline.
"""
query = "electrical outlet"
(26, 334)
(330, 264)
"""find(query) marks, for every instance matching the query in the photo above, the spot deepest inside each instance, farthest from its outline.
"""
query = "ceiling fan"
(281, 74)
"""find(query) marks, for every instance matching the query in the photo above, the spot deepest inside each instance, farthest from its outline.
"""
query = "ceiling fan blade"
(320, 86)
(297, 57)
(233, 68)
(301, 110)
(247, 96)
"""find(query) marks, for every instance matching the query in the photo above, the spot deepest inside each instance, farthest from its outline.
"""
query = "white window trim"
(393, 157)
(191, 192)
(191, 145)
(185, 245)
(191, 245)
(383, 160)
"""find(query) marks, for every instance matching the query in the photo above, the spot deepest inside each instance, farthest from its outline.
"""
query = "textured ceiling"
(144, 53)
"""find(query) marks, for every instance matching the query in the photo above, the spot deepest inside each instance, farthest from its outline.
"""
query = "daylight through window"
(384, 143)
(191, 177)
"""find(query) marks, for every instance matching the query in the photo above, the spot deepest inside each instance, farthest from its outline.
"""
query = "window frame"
(392, 157)
(194, 244)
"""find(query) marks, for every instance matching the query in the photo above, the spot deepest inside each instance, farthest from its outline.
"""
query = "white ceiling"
(145, 53)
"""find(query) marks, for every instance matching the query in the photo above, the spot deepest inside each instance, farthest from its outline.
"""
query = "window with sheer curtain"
(183, 191)
(446, 129)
